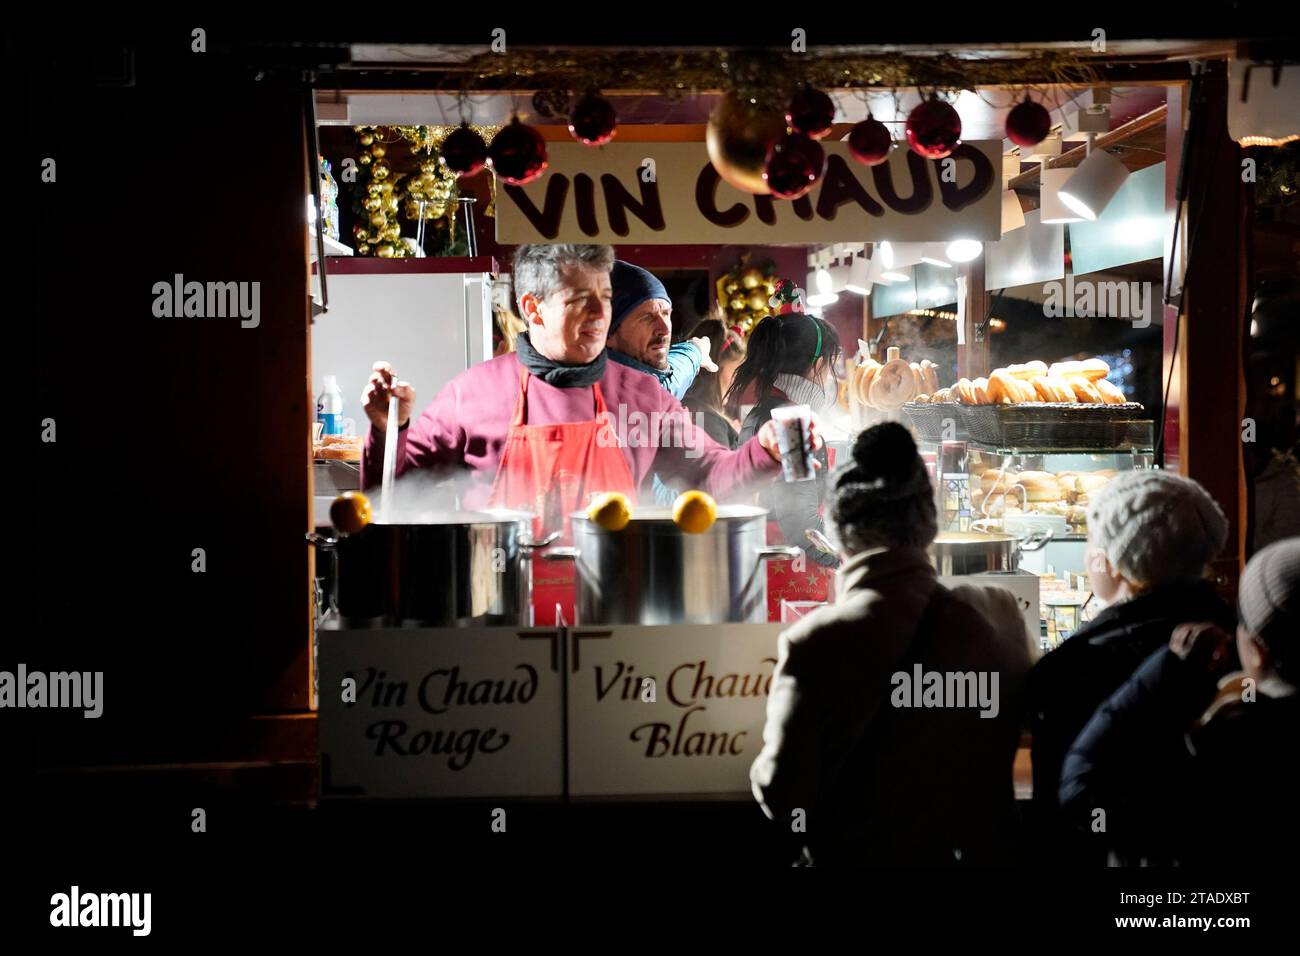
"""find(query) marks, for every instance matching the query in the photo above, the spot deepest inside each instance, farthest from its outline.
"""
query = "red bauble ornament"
(811, 112)
(593, 120)
(870, 141)
(794, 163)
(518, 153)
(1028, 123)
(463, 151)
(933, 129)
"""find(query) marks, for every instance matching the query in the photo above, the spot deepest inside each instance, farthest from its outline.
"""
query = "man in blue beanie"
(641, 331)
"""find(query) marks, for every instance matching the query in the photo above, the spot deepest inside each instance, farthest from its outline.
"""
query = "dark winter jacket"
(1072, 681)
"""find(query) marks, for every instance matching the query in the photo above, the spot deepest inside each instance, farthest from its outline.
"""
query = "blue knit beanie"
(631, 286)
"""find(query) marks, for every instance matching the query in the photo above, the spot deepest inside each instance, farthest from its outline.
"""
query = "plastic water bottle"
(329, 407)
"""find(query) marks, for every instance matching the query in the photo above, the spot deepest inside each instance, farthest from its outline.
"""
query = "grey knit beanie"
(1268, 598)
(1156, 526)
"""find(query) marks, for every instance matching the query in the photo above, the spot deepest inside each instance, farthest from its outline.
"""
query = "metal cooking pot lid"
(442, 516)
(666, 514)
(973, 537)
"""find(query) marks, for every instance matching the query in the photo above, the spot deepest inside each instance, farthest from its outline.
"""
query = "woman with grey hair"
(548, 425)
(894, 714)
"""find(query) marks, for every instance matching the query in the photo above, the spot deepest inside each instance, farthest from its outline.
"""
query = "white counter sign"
(667, 710)
(441, 713)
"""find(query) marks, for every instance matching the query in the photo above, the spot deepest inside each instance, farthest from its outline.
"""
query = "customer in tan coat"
(894, 714)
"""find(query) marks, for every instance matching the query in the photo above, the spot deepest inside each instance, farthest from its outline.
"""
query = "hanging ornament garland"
(1028, 123)
(870, 141)
(518, 153)
(744, 294)
(375, 199)
(593, 121)
(464, 151)
(738, 138)
(794, 163)
(811, 112)
(933, 128)
(382, 196)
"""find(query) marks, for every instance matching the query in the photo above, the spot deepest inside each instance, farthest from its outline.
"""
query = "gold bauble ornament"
(386, 187)
(769, 286)
(736, 304)
(392, 232)
(385, 250)
(362, 233)
(757, 301)
(751, 278)
(372, 204)
(378, 151)
(737, 138)
(416, 195)
(380, 170)
(378, 220)
(732, 288)
(364, 158)
(373, 189)
(390, 204)
(366, 139)
(429, 169)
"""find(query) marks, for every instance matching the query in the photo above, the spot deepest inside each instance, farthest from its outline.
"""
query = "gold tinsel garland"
(768, 77)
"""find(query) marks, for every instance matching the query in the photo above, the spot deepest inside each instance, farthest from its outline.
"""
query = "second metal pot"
(652, 572)
(976, 552)
(453, 569)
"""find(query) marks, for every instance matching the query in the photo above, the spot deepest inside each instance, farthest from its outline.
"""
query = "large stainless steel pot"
(450, 569)
(652, 572)
(978, 552)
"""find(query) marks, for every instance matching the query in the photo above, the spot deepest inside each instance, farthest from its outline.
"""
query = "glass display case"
(1039, 495)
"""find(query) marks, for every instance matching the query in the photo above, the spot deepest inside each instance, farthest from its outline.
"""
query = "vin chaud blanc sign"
(669, 193)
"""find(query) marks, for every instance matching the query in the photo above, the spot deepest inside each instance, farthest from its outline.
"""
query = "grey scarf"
(559, 374)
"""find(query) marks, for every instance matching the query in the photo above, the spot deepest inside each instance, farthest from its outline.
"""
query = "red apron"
(552, 470)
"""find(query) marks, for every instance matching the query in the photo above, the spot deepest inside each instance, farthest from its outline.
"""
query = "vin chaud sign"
(669, 193)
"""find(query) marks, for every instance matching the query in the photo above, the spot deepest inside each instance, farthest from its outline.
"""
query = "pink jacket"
(466, 424)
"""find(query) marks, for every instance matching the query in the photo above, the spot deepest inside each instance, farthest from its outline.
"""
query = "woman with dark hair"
(705, 397)
(894, 715)
(791, 361)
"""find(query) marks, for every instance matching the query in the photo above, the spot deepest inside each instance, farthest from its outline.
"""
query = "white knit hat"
(1156, 526)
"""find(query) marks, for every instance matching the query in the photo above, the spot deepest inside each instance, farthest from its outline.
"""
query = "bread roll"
(1092, 369)
(1085, 391)
(1027, 393)
(1028, 371)
(1110, 393)
(1086, 484)
(921, 399)
(965, 391)
(1039, 485)
(981, 386)
(1002, 388)
(942, 395)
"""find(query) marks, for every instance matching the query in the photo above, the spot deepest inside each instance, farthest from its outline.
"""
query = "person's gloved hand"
(1206, 647)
